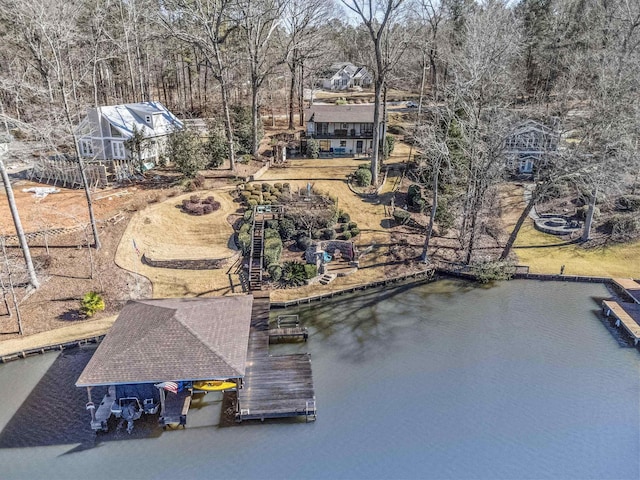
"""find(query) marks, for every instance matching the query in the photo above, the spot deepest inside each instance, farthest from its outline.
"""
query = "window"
(118, 150)
(147, 118)
(343, 143)
(344, 126)
(86, 148)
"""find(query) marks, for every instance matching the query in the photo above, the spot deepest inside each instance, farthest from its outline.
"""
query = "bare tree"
(379, 18)
(259, 21)
(207, 25)
(33, 279)
(302, 21)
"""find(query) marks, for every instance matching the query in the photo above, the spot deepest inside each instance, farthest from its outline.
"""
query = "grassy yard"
(545, 253)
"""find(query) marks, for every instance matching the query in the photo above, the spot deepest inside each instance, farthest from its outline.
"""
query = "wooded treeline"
(477, 66)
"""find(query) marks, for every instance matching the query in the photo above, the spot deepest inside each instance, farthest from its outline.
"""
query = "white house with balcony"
(106, 132)
(342, 129)
(341, 76)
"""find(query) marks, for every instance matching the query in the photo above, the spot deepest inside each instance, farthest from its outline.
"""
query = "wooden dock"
(288, 328)
(626, 314)
(630, 286)
(273, 386)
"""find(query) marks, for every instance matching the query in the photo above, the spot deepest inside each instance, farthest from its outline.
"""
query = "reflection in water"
(521, 380)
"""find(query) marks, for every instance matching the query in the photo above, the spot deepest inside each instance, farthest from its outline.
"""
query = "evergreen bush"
(91, 303)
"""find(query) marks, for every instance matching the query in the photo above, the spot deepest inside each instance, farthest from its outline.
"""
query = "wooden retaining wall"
(48, 348)
(423, 276)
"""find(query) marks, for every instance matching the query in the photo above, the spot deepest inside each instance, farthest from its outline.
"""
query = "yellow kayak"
(213, 385)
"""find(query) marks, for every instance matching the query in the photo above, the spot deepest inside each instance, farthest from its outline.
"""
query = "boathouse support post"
(161, 402)
(91, 409)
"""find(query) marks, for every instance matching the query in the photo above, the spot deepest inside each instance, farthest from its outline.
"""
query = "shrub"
(343, 217)
(286, 185)
(346, 235)
(316, 234)
(310, 271)
(444, 215)
(245, 227)
(91, 303)
(194, 199)
(353, 225)
(275, 272)
(286, 228)
(210, 200)
(294, 274)
(401, 216)
(272, 224)
(207, 208)
(303, 242)
(328, 234)
(248, 215)
(389, 144)
(197, 209)
(271, 233)
(345, 227)
(245, 194)
(487, 271)
(277, 186)
(252, 202)
(244, 241)
(266, 187)
(622, 227)
(629, 203)
(215, 206)
(362, 177)
(355, 231)
(313, 148)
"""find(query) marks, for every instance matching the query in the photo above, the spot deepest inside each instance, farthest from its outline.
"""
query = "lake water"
(520, 380)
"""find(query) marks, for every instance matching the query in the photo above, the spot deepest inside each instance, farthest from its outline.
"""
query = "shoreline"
(94, 330)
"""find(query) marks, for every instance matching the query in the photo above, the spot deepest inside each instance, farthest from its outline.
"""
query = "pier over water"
(273, 386)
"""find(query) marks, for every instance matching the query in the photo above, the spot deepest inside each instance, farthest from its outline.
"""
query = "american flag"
(169, 386)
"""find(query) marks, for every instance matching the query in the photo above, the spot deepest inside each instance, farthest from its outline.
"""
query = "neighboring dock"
(288, 328)
(630, 287)
(627, 315)
(273, 386)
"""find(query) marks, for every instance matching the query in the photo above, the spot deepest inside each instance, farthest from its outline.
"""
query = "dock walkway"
(631, 287)
(273, 386)
(626, 314)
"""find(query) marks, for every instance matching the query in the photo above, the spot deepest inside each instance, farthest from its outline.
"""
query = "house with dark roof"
(172, 341)
(342, 129)
(529, 145)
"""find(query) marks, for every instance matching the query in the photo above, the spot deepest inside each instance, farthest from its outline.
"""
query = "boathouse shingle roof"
(173, 339)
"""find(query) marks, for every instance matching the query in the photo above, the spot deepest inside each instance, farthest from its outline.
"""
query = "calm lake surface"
(520, 380)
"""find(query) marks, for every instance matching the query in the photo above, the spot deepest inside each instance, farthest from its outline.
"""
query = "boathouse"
(167, 341)
(158, 350)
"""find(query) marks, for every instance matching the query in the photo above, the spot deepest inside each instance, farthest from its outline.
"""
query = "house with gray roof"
(105, 135)
(342, 129)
